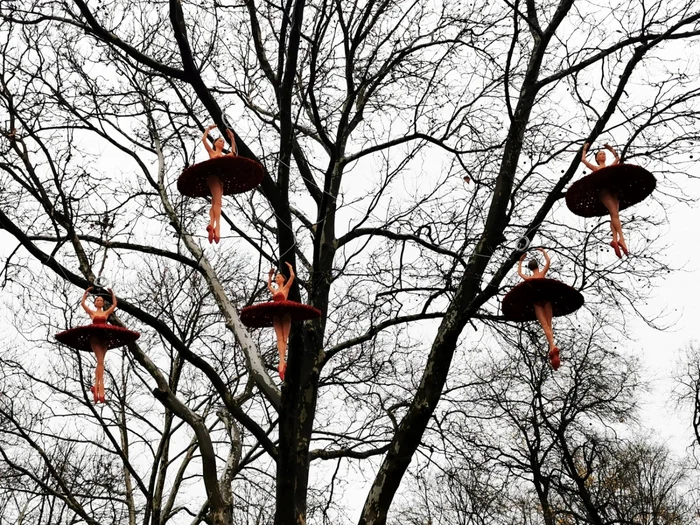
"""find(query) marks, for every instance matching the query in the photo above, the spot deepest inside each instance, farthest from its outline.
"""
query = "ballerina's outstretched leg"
(216, 187)
(612, 203)
(544, 316)
(282, 327)
(100, 349)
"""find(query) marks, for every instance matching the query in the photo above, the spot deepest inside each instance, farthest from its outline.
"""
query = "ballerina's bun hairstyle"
(533, 265)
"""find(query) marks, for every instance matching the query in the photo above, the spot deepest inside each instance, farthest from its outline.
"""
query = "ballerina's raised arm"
(111, 309)
(547, 261)
(612, 150)
(288, 284)
(83, 302)
(209, 149)
(234, 146)
(590, 166)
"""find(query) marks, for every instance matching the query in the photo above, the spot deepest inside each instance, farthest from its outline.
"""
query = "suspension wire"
(105, 226)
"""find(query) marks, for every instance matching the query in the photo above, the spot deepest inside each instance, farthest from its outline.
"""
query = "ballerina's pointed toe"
(554, 358)
(98, 398)
(616, 247)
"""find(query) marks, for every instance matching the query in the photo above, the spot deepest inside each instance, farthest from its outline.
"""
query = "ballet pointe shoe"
(554, 358)
(616, 247)
(210, 232)
(94, 394)
(282, 368)
(624, 249)
(217, 238)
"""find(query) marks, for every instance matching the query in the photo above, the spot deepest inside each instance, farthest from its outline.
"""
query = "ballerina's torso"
(214, 180)
(214, 154)
(97, 342)
(605, 194)
(536, 274)
(98, 317)
(279, 296)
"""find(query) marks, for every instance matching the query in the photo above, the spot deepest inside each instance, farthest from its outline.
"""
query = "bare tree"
(520, 447)
(640, 482)
(688, 388)
(366, 117)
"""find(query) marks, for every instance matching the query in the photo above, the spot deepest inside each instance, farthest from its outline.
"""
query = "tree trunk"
(222, 516)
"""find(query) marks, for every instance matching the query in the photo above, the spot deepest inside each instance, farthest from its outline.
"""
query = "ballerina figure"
(539, 298)
(543, 309)
(279, 313)
(609, 189)
(609, 199)
(98, 337)
(281, 323)
(223, 174)
(215, 184)
(98, 344)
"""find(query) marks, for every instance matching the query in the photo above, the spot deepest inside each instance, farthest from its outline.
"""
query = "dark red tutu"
(78, 338)
(239, 174)
(260, 315)
(518, 304)
(631, 184)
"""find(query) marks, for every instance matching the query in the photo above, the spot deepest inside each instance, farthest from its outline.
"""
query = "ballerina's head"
(533, 265)
(600, 157)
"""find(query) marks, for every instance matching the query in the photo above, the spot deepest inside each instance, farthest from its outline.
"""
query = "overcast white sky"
(659, 350)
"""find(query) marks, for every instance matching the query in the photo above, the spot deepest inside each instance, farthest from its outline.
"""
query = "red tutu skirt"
(238, 174)
(629, 183)
(260, 315)
(519, 303)
(79, 337)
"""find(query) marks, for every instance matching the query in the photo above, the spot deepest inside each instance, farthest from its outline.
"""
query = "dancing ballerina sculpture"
(539, 298)
(98, 337)
(609, 189)
(279, 313)
(223, 174)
